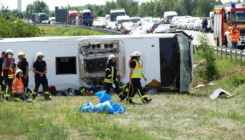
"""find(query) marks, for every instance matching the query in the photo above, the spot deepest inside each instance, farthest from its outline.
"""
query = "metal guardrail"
(225, 52)
(86, 27)
(230, 52)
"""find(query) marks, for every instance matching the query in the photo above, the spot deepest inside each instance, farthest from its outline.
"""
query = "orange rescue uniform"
(20, 86)
(235, 36)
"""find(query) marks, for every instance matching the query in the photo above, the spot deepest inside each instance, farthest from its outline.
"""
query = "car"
(163, 28)
(127, 27)
(120, 20)
(185, 23)
(190, 25)
(147, 26)
(102, 24)
(178, 25)
(30, 21)
(138, 30)
(175, 20)
(182, 23)
(135, 19)
(197, 25)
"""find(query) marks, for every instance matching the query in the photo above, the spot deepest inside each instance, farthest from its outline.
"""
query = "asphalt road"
(195, 34)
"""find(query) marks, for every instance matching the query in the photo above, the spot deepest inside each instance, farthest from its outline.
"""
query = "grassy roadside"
(68, 31)
(168, 116)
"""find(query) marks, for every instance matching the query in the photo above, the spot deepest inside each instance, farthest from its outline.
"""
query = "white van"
(120, 20)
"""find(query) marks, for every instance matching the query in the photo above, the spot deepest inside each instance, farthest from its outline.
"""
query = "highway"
(195, 34)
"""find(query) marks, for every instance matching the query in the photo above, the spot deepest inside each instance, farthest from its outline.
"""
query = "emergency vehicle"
(225, 16)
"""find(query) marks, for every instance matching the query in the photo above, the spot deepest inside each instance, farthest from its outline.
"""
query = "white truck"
(169, 15)
(80, 61)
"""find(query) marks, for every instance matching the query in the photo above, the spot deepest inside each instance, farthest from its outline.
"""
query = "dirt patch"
(242, 72)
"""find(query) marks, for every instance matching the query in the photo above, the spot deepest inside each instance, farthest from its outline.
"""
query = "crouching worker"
(135, 76)
(110, 77)
(18, 88)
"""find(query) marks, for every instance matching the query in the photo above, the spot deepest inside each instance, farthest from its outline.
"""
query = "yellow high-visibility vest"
(137, 72)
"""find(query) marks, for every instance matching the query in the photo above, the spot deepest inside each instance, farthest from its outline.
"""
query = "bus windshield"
(114, 15)
(238, 16)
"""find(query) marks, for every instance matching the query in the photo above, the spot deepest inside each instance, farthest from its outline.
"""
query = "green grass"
(168, 116)
(68, 31)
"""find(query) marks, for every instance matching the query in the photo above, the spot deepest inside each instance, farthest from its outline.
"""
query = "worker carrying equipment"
(18, 88)
(40, 70)
(8, 73)
(111, 80)
(24, 66)
(135, 75)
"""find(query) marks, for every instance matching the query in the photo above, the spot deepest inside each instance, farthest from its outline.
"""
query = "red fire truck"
(225, 16)
(71, 17)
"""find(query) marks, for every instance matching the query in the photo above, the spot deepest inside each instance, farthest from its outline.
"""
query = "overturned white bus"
(80, 61)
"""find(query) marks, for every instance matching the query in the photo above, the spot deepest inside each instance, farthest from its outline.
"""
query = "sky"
(12, 4)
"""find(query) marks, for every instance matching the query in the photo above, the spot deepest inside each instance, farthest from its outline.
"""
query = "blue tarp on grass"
(106, 105)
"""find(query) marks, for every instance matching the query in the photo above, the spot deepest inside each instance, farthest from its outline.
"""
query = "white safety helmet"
(111, 56)
(136, 53)
(21, 53)
(17, 71)
(40, 54)
(9, 51)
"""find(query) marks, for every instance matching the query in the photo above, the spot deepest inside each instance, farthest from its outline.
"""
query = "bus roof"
(117, 10)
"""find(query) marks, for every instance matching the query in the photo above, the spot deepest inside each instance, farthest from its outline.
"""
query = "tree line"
(154, 8)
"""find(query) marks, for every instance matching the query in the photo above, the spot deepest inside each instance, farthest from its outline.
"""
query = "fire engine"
(225, 16)
(71, 17)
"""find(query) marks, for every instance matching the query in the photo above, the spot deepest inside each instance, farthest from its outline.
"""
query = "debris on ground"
(152, 91)
(217, 93)
(199, 86)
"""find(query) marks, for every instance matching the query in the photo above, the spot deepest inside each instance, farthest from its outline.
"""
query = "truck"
(116, 12)
(226, 16)
(86, 17)
(39, 17)
(71, 17)
(80, 61)
(168, 15)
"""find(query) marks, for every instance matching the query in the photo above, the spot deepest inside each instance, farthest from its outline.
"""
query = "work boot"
(129, 101)
(122, 97)
(34, 96)
(147, 100)
(47, 97)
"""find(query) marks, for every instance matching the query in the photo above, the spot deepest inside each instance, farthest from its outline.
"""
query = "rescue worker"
(24, 66)
(111, 80)
(234, 37)
(1, 65)
(18, 88)
(40, 70)
(135, 75)
(8, 73)
(205, 25)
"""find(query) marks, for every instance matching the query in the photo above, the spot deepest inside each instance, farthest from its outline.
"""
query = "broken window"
(66, 65)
